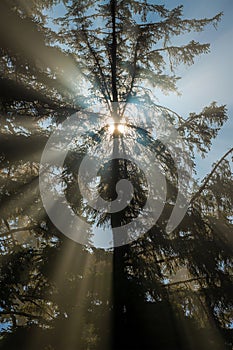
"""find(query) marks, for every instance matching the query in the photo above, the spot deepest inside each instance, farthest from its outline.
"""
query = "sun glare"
(121, 128)
(116, 127)
(111, 128)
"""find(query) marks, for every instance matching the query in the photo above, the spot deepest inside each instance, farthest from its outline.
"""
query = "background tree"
(165, 289)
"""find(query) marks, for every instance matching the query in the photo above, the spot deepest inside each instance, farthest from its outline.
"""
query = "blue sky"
(210, 78)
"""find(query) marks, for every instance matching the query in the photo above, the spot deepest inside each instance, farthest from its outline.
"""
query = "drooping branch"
(208, 177)
(188, 122)
(170, 111)
(212, 112)
(183, 54)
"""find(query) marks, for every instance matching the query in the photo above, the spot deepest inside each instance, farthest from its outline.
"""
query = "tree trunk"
(119, 279)
(119, 276)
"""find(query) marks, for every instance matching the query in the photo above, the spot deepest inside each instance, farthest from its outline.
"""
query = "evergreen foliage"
(161, 291)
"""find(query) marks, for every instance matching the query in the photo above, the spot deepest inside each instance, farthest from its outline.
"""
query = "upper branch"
(201, 189)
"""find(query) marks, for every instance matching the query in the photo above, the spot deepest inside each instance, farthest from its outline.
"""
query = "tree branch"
(36, 304)
(20, 313)
(206, 180)
(188, 121)
(20, 229)
(105, 93)
(185, 281)
(134, 67)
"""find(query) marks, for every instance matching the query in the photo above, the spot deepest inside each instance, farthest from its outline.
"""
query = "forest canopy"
(102, 64)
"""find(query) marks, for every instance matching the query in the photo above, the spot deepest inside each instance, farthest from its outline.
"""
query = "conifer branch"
(20, 313)
(185, 281)
(105, 92)
(206, 180)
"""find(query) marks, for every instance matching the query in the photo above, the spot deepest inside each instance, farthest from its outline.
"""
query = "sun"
(121, 128)
(116, 127)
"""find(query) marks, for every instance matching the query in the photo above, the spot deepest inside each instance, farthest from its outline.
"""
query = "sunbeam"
(109, 240)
